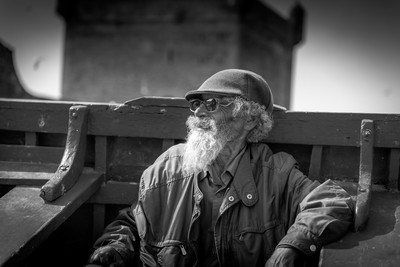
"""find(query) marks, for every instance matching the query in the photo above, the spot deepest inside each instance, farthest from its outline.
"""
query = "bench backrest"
(123, 139)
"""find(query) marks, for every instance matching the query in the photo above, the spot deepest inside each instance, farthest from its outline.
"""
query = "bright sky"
(348, 62)
(35, 34)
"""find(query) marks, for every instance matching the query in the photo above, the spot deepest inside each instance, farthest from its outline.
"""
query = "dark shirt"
(214, 188)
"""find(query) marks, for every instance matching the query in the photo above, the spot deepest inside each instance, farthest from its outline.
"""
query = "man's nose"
(201, 111)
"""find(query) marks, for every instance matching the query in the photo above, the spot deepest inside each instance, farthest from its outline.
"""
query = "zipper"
(183, 250)
(241, 237)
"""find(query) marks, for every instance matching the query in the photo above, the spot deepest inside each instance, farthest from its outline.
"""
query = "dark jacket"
(270, 203)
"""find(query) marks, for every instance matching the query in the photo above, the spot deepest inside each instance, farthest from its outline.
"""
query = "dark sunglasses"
(211, 104)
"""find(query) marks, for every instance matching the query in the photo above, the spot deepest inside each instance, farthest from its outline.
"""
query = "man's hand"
(107, 256)
(287, 257)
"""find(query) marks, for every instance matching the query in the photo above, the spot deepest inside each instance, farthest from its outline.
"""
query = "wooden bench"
(29, 214)
(360, 151)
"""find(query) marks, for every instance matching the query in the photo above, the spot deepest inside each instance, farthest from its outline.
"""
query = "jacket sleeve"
(317, 214)
(122, 235)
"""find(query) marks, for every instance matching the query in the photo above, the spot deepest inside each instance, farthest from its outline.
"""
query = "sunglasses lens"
(194, 104)
(211, 104)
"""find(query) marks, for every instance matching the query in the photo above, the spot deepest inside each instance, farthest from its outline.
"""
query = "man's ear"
(250, 124)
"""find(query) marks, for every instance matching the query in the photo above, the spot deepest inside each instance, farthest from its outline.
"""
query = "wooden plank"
(24, 119)
(365, 173)
(101, 156)
(27, 220)
(336, 129)
(314, 172)
(315, 128)
(25, 153)
(24, 178)
(167, 143)
(101, 163)
(118, 193)
(394, 166)
(12, 166)
(73, 159)
(377, 244)
(26, 173)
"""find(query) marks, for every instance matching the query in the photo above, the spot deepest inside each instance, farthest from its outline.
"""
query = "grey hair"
(253, 111)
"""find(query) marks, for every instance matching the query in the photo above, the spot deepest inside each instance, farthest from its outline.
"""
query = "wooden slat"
(26, 220)
(394, 166)
(155, 117)
(24, 178)
(101, 163)
(25, 173)
(118, 193)
(101, 159)
(336, 129)
(12, 166)
(316, 163)
(167, 143)
(38, 154)
(365, 177)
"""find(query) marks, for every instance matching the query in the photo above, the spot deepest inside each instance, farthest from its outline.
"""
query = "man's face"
(209, 132)
(223, 113)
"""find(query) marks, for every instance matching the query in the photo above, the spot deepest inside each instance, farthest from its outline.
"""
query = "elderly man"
(224, 199)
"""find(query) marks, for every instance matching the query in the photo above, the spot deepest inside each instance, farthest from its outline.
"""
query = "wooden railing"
(98, 160)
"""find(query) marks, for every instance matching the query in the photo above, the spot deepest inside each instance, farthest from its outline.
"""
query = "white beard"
(205, 141)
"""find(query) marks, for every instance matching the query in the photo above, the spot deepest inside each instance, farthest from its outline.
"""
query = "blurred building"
(116, 50)
(10, 86)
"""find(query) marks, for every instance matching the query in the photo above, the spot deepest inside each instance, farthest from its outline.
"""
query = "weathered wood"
(101, 157)
(24, 178)
(167, 143)
(365, 173)
(15, 166)
(26, 153)
(101, 163)
(119, 193)
(27, 220)
(155, 116)
(377, 244)
(30, 139)
(394, 166)
(314, 171)
(26, 173)
(73, 159)
(99, 213)
(158, 101)
(333, 129)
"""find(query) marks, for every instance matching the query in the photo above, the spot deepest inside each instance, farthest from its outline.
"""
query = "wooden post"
(30, 139)
(71, 165)
(365, 173)
(314, 171)
(101, 163)
(394, 163)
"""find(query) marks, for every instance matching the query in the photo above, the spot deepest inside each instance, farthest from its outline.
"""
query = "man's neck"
(228, 154)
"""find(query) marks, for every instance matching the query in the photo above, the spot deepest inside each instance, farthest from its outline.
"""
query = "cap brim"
(197, 94)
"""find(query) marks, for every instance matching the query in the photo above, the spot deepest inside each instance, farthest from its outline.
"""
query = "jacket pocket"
(258, 243)
(176, 253)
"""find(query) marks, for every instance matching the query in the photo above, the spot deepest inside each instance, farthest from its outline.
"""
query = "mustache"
(204, 123)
